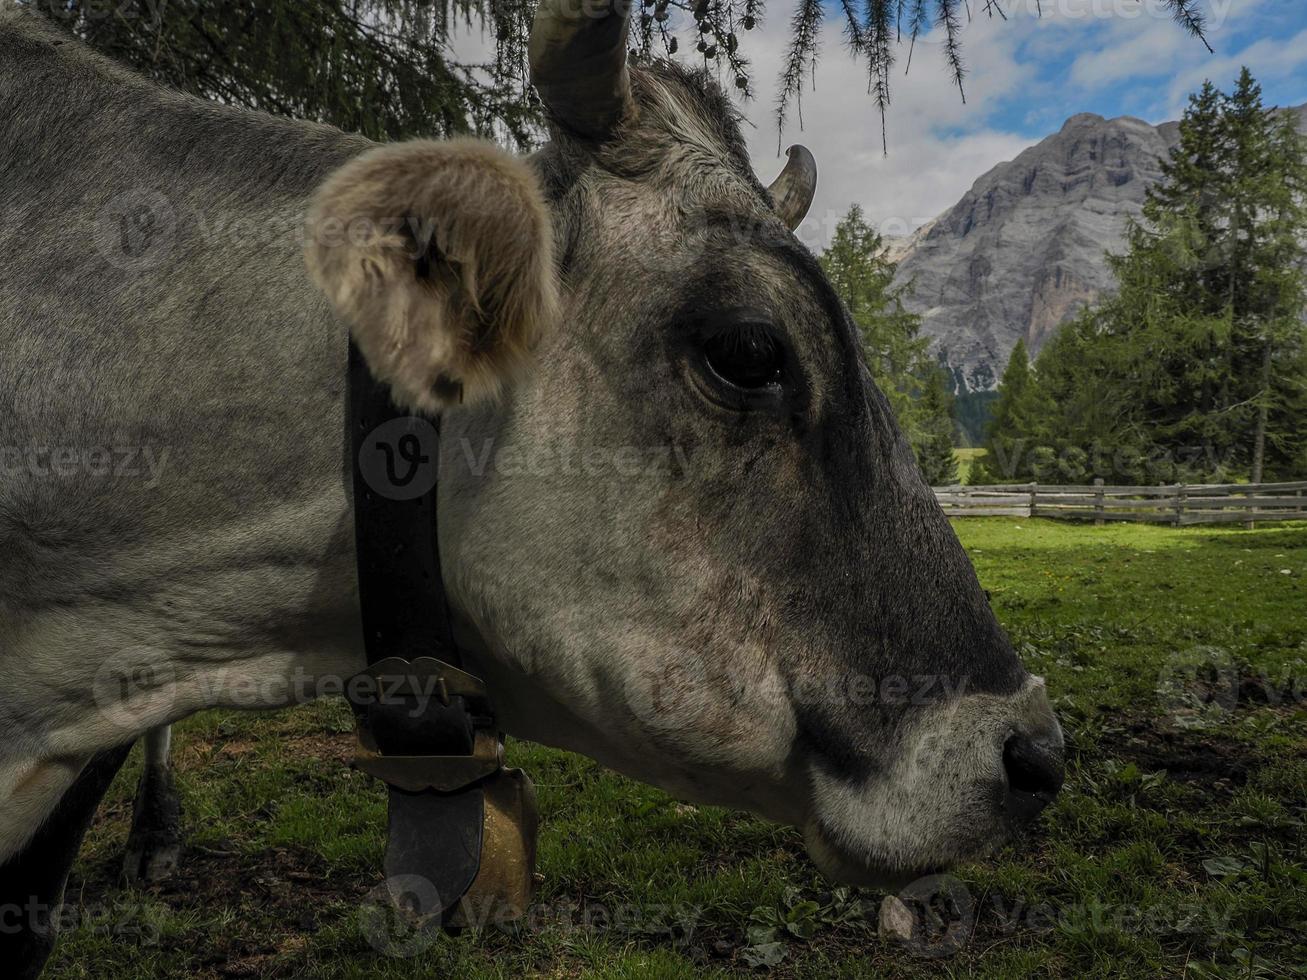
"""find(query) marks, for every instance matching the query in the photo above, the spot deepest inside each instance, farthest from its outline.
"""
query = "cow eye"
(747, 356)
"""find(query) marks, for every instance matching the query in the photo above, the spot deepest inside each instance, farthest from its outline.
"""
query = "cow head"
(690, 541)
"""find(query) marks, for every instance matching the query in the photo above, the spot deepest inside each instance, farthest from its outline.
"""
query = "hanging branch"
(881, 16)
(918, 22)
(1191, 19)
(799, 59)
(387, 68)
(872, 27)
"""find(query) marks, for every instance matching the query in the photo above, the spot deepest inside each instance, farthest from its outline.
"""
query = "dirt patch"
(195, 754)
(1240, 686)
(1198, 758)
(340, 748)
(288, 879)
(280, 896)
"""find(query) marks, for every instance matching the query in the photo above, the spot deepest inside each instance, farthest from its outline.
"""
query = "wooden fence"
(1176, 504)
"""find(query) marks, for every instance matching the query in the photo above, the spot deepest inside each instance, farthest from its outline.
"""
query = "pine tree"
(936, 453)
(1191, 175)
(1230, 220)
(383, 68)
(1192, 370)
(896, 353)
(1269, 290)
(1008, 436)
(857, 267)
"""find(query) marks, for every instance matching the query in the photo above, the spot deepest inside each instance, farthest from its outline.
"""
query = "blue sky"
(1115, 70)
(1027, 75)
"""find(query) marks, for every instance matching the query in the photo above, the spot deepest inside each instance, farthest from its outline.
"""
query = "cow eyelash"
(749, 356)
(742, 362)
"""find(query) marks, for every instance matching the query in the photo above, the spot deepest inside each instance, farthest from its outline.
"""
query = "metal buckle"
(445, 773)
(420, 677)
(397, 679)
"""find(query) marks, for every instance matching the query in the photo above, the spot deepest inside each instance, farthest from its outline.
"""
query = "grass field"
(1177, 660)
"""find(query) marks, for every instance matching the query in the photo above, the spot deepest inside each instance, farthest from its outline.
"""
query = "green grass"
(1177, 660)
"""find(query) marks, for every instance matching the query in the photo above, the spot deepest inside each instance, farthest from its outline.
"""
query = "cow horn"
(578, 63)
(792, 191)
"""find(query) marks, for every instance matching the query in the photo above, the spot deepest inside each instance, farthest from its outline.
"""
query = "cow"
(681, 532)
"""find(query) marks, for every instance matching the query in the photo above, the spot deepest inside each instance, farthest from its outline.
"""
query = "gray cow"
(681, 531)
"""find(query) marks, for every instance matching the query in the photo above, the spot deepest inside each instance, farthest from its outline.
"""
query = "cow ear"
(439, 255)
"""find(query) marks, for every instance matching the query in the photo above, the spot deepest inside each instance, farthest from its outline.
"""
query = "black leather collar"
(434, 842)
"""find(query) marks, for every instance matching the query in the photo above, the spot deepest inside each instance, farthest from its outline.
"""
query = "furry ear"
(440, 257)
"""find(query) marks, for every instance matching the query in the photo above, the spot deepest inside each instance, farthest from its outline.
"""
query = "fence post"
(1098, 502)
(1253, 488)
(1180, 496)
(1034, 491)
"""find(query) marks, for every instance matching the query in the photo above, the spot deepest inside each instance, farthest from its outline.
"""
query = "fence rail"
(1180, 504)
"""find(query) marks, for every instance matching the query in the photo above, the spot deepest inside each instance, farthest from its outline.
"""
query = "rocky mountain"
(1023, 251)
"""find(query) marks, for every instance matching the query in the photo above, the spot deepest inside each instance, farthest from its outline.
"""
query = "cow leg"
(155, 842)
(32, 881)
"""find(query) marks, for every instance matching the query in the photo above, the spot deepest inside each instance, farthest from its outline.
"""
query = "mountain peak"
(1082, 119)
(1024, 249)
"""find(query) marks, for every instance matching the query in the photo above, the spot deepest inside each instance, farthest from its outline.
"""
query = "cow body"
(175, 484)
(680, 529)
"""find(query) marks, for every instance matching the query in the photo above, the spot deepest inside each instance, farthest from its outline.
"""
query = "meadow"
(1177, 660)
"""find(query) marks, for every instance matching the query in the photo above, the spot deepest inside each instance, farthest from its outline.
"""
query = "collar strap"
(426, 726)
(395, 458)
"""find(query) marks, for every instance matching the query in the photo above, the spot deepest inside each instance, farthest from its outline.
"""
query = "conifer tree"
(1195, 367)
(856, 265)
(895, 351)
(383, 68)
(936, 444)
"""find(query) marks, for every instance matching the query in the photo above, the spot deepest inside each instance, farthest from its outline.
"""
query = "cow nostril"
(1034, 773)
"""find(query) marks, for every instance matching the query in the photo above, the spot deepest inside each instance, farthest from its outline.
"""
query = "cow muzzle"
(966, 777)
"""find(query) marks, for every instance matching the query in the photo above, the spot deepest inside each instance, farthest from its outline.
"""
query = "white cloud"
(938, 145)
(1272, 60)
(1080, 55)
(1031, 72)
(1129, 50)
